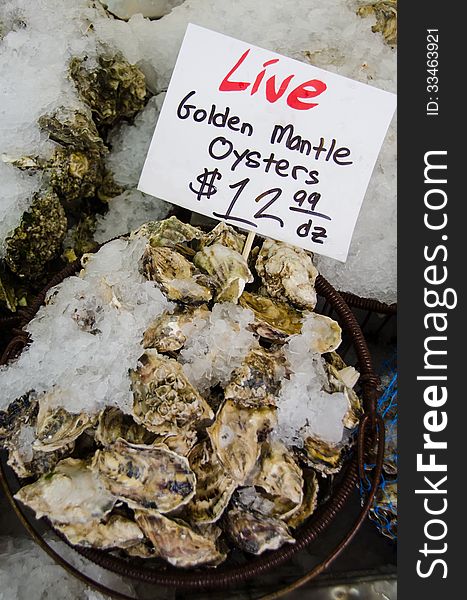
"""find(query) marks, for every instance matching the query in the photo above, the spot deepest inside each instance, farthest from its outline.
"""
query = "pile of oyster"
(192, 472)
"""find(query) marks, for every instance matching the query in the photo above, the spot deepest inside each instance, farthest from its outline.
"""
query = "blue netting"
(384, 509)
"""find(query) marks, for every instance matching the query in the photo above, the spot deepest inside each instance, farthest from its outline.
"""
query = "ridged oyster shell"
(257, 381)
(326, 334)
(310, 500)
(275, 321)
(256, 533)
(145, 476)
(169, 332)
(56, 427)
(227, 268)
(175, 275)
(164, 400)
(287, 273)
(168, 232)
(214, 486)
(114, 424)
(237, 435)
(117, 532)
(177, 542)
(71, 494)
(281, 478)
(226, 235)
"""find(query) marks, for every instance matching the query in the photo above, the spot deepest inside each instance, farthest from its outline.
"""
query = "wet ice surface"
(303, 408)
(90, 334)
(39, 38)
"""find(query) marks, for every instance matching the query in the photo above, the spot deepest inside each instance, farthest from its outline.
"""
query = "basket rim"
(225, 576)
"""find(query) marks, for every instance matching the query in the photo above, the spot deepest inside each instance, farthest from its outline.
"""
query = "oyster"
(176, 276)
(323, 456)
(38, 238)
(164, 401)
(75, 175)
(26, 461)
(281, 478)
(169, 332)
(386, 19)
(228, 269)
(145, 476)
(117, 532)
(113, 424)
(56, 427)
(142, 550)
(180, 442)
(71, 494)
(237, 435)
(326, 334)
(22, 411)
(115, 90)
(337, 383)
(72, 128)
(257, 381)
(287, 273)
(178, 543)
(17, 433)
(275, 320)
(77, 168)
(348, 375)
(214, 487)
(256, 533)
(170, 232)
(226, 235)
(310, 500)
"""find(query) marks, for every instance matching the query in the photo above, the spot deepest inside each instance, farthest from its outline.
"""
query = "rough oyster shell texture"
(192, 470)
(287, 273)
(145, 476)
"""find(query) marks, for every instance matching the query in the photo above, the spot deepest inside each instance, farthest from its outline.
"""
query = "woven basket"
(370, 432)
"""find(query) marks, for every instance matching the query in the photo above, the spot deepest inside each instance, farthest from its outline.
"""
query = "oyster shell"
(226, 235)
(169, 232)
(228, 269)
(56, 427)
(71, 494)
(256, 533)
(114, 424)
(22, 411)
(145, 476)
(115, 90)
(18, 433)
(28, 462)
(326, 334)
(164, 401)
(275, 321)
(237, 435)
(214, 486)
(177, 543)
(180, 442)
(169, 332)
(117, 532)
(281, 478)
(257, 381)
(287, 273)
(72, 128)
(337, 383)
(175, 275)
(142, 550)
(310, 500)
(323, 456)
(386, 19)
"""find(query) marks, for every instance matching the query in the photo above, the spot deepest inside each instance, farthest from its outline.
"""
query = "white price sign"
(266, 143)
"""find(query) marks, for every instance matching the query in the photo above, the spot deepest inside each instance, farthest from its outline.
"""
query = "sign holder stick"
(248, 244)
